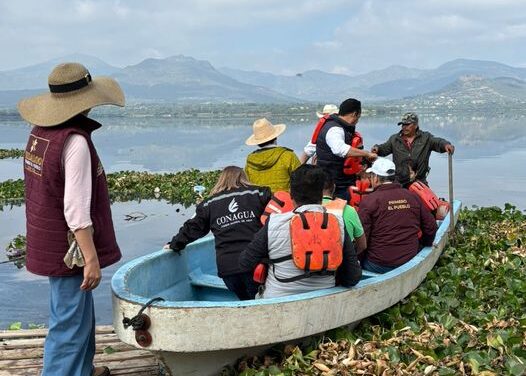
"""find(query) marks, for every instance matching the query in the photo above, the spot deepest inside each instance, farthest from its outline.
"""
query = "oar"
(451, 211)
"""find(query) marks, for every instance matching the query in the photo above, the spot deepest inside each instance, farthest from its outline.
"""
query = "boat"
(185, 314)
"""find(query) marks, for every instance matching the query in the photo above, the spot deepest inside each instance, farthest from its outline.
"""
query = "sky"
(278, 36)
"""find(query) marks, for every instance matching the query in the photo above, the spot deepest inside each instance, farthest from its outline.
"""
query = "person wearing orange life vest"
(406, 176)
(392, 217)
(361, 188)
(352, 223)
(309, 151)
(292, 233)
(334, 145)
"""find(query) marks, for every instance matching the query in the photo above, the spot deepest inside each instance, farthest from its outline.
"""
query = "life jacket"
(335, 206)
(356, 192)
(438, 207)
(316, 243)
(280, 202)
(352, 165)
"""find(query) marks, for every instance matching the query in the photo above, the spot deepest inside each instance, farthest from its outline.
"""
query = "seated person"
(350, 216)
(270, 165)
(232, 198)
(392, 218)
(283, 234)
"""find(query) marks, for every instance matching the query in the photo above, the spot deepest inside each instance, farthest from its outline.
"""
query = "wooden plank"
(21, 354)
(31, 333)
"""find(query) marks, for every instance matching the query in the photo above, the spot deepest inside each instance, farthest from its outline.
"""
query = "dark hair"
(306, 184)
(402, 173)
(329, 182)
(383, 179)
(350, 106)
(268, 142)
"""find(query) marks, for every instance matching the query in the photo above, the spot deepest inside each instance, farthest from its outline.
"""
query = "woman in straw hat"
(270, 165)
(70, 234)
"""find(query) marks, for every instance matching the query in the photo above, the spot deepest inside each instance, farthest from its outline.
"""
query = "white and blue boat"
(200, 326)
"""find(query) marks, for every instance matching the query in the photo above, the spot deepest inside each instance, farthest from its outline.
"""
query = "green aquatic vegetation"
(467, 318)
(11, 153)
(176, 188)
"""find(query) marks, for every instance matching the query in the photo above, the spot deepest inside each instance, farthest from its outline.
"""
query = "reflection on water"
(25, 296)
(488, 170)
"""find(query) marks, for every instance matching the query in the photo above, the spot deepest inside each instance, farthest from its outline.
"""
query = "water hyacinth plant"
(467, 318)
(176, 188)
(11, 153)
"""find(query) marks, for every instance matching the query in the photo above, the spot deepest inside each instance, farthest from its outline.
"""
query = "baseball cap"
(409, 118)
(382, 167)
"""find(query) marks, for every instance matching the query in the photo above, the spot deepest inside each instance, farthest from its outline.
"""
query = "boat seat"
(200, 279)
(368, 274)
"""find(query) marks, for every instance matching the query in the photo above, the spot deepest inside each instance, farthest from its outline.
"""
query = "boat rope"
(137, 322)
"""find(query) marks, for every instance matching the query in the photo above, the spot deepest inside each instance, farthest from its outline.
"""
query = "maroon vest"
(47, 229)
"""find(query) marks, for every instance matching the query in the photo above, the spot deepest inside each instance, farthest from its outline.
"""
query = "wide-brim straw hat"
(263, 131)
(71, 92)
(328, 109)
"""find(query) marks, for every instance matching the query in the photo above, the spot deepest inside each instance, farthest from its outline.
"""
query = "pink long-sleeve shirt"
(76, 162)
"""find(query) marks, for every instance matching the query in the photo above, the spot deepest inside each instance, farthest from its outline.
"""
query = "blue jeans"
(375, 268)
(69, 348)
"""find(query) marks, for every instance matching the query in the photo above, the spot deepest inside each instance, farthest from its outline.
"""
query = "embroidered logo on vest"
(35, 154)
(100, 169)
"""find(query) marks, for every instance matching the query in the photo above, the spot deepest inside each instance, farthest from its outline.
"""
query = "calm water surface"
(488, 170)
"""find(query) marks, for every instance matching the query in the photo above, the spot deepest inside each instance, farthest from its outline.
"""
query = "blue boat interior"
(191, 275)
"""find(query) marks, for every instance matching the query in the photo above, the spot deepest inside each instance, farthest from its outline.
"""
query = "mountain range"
(183, 79)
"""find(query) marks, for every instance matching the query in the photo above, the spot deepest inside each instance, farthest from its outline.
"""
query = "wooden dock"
(21, 354)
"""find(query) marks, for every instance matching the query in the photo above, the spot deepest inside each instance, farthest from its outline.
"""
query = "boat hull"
(191, 334)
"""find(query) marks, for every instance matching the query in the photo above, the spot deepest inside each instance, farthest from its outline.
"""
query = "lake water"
(488, 170)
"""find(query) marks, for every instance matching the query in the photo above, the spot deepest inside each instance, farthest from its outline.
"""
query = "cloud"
(269, 35)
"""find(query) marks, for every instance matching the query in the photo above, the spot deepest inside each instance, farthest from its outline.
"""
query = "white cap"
(328, 109)
(382, 167)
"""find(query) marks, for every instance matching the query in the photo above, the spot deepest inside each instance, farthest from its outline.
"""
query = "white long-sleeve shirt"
(335, 138)
(76, 162)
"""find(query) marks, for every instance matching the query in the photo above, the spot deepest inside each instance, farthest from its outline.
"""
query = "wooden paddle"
(451, 211)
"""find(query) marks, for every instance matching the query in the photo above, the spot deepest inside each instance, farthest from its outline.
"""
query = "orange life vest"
(352, 165)
(316, 244)
(356, 192)
(280, 202)
(335, 206)
(438, 207)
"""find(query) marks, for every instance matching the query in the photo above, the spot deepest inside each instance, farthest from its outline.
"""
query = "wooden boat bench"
(200, 279)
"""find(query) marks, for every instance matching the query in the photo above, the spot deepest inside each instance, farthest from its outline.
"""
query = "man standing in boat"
(298, 234)
(270, 165)
(334, 146)
(413, 143)
(70, 235)
(393, 218)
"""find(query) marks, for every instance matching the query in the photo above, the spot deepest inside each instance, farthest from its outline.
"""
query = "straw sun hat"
(71, 92)
(328, 109)
(264, 131)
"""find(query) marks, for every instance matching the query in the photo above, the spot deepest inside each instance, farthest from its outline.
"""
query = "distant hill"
(35, 76)
(435, 79)
(313, 85)
(185, 79)
(472, 92)
(182, 78)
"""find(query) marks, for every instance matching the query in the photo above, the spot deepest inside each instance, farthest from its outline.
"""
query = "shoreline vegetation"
(175, 188)
(467, 318)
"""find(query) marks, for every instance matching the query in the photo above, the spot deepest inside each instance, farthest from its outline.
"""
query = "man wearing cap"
(70, 235)
(392, 218)
(333, 145)
(413, 143)
(309, 150)
(271, 165)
